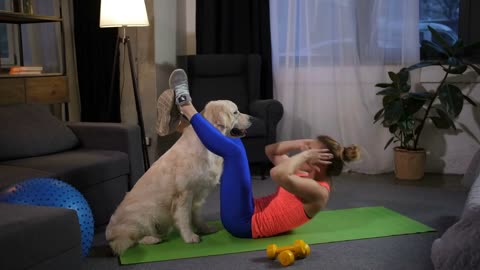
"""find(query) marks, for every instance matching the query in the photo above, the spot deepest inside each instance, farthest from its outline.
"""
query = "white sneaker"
(178, 81)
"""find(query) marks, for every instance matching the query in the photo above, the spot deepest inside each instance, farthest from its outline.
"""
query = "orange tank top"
(278, 213)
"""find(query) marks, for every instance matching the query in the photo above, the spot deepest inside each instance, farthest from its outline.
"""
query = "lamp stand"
(125, 40)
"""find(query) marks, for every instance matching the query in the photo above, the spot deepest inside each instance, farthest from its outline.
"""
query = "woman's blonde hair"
(340, 154)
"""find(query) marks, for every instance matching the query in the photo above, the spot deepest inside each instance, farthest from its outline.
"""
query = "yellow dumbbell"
(299, 249)
(286, 258)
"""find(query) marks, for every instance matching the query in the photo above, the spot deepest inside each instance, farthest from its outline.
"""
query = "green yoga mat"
(326, 227)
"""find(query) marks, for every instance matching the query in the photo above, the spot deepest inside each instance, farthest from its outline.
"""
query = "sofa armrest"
(458, 247)
(30, 236)
(116, 137)
(271, 111)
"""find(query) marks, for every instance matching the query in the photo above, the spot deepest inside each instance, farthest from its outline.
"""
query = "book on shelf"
(26, 73)
(26, 68)
(16, 69)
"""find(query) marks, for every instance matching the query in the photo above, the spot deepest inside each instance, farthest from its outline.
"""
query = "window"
(319, 33)
(441, 15)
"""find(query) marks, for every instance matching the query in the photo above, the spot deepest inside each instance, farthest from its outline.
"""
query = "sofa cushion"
(31, 130)
(81, 168)
(10, 175)
(31, 235)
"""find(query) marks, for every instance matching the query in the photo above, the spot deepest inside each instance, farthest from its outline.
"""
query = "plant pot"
(409, 164)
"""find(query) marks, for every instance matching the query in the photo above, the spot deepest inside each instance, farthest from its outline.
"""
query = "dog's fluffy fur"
(173, 190)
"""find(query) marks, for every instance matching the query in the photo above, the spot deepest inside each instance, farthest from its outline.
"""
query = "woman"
(304, 179)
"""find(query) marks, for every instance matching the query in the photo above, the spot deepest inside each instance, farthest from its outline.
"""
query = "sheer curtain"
(327, 56)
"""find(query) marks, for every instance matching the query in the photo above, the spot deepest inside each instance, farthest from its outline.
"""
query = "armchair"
(236, 78)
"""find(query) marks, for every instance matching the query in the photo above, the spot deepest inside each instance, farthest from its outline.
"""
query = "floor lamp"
(127, 13)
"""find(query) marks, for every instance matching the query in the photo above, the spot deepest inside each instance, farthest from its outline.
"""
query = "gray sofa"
(459, 247)
(102, 160)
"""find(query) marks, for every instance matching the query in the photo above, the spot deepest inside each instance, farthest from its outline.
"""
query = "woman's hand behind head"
(316, 157)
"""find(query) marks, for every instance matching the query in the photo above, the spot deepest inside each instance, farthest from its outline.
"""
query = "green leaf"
(453, 61)
(388, 143)
(460, 69)
(433, 48)
(394, 77)
(383, 85)
(467, 98)
(451, 98)
(378, 115)
(440, 40)
(458, 44)
(445, 117)
(440, 122)
(388, 91)
(424, 64)
(393, 112)
(393, 128)
(389, 99)
(405, 88)
(421, 96)
(403, 75)
(413, 105)
(406, 126)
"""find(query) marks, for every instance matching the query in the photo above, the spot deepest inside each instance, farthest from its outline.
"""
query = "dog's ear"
(215, 113)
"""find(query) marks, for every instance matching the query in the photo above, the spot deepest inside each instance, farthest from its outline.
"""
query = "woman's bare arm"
(277, 152)
(284, 174)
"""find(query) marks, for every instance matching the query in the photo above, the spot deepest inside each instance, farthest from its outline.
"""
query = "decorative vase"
(409, 164)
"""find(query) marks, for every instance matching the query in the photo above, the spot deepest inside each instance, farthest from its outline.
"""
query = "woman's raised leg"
(236, 198)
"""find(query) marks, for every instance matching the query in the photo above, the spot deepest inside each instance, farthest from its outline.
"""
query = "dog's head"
(224, 115)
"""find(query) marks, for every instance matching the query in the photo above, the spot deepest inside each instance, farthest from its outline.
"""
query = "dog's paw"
(150, 240)
(193, 238)
(207, 229)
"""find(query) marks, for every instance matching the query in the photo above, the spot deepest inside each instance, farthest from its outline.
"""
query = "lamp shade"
(119, 13)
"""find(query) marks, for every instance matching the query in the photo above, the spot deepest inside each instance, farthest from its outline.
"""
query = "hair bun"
(351, 153)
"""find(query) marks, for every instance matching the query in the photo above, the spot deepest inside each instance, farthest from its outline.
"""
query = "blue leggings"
(236, 198)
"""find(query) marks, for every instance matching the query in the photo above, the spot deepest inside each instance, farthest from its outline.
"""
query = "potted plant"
(405, 110)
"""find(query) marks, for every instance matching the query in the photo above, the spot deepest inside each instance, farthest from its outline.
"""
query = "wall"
(176, 36)
(155, 49)
(186, 42)
(173, 32)
(144, 50)
(450, 151)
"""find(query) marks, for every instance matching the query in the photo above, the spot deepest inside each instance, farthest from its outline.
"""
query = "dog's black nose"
(236, 132)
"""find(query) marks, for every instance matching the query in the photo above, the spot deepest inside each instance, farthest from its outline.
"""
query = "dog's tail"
(120, 238)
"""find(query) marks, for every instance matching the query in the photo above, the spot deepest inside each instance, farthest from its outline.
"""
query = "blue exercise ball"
(54, 193)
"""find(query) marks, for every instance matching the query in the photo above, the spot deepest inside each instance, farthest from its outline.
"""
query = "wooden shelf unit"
(21, 18)
(34, 90)
(45, 88)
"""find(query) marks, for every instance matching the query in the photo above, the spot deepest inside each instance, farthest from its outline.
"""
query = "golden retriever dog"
(171, 193)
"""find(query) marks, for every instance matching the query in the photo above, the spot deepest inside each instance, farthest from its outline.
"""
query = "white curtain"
(327, 56)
